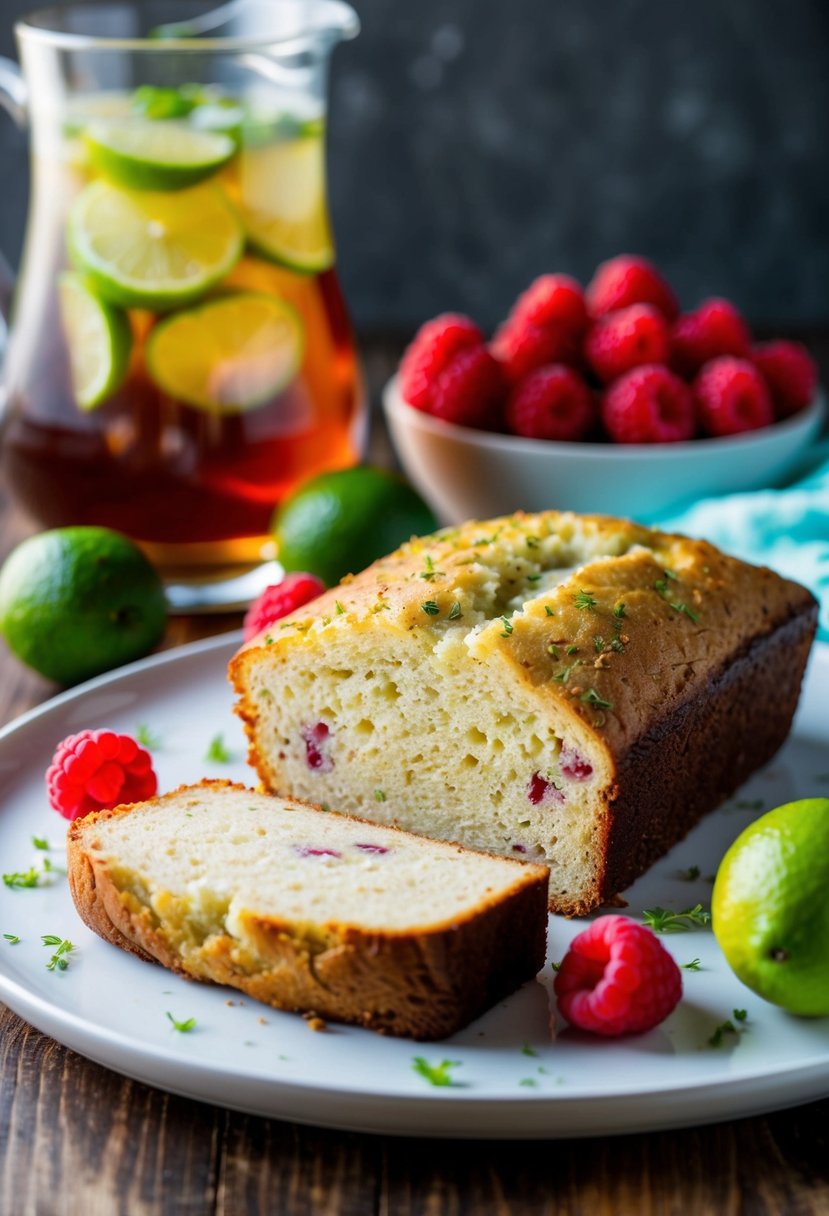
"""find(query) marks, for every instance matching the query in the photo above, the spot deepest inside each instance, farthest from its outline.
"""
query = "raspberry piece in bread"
(308, 910)
(577, 691)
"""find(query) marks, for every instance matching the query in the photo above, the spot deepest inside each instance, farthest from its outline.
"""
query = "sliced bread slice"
(309, 910)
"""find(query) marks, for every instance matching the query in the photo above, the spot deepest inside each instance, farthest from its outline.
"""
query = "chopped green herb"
(554, 651)
(556, 966)
(485, 540)
(572, 650)
(724, 1028)
(740, 1015)
(58, 961)
(661, 586)
(694, 965)
(338, 607)
(529, 1082)
(379, 796)
(145, 738)
(583, 600)
(533, 578)
(11, 938)
(435, 1074)
(183, 1027)
(619, 610)
(326, 620)
(454, 611)
(430, 572)
(591, 697)
(618, 645)
(49, 867)
(691, 874)
(217, 751)
(507, 627)
(22, 879)
(526, 1050)
(549, 610)
(430, 607)
(671, 574)
(598, 643)
(268, 642)
(663, 920)
(40, 842)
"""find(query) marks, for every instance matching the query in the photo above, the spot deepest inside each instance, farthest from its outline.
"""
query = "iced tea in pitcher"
(181, 356)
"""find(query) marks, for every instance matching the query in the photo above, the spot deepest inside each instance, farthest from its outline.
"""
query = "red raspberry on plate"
(552, 300)
(617, 978)
(434, 345)
(470, 390)
(629, 280)
(649, 405)
(522, 348)
(551, 403)
(715, 328)
(732, 397)
(97, 769)
(790, 372)
(279, 600)
(627, 338)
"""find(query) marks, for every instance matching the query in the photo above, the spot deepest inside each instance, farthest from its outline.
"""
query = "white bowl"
(467, 474)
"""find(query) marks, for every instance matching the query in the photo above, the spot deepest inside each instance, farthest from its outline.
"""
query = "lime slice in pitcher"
(228, 355)
(98, 339)
(157, 155)
(154, 250)
(283, 205)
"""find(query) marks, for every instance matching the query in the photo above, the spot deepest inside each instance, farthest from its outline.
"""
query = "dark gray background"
(475, 143)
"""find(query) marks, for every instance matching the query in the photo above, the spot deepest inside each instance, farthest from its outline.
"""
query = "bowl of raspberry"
(606, 398)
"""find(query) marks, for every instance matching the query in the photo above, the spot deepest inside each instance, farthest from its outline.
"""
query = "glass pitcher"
(180, 356)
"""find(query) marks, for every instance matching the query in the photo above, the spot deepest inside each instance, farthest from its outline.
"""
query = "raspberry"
(617, 978)
(551, 403)
(715, 328)
(279, 600)
(97, 769)
(434, 345)
(625, 339)
(629, 280)
(470, 390)
(790, 372)
(649, 405)
(732, 397)
(552, 300)
(522, 348)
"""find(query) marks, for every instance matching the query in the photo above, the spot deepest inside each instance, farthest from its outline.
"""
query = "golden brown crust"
(422, 983)
(677, 663)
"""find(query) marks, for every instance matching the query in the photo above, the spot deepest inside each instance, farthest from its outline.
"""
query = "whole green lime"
(339, 523)
(78, 601)
(770, 910)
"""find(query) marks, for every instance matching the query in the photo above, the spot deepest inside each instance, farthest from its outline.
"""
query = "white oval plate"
(511, 1080)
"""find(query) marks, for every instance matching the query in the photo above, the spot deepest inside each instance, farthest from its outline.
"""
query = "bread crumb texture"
(494, 684)
(310, 911)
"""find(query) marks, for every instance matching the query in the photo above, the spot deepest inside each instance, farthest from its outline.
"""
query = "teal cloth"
(786, 529)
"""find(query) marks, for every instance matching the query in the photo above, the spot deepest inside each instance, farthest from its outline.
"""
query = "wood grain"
(78, 1140)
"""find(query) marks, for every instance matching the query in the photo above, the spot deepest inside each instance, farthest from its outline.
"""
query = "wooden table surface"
(78, 1139)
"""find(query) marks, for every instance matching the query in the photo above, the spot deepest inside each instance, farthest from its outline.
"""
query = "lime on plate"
(98, 339)
(228, 355)
(146, 155)
(770, 906)
(338, 523)
(283, 205)
(154, 250)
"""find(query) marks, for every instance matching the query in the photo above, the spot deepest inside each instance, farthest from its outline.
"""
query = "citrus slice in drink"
(146, 155)
(283, 205)
(98, 339)
(154, 250)
(229, 355)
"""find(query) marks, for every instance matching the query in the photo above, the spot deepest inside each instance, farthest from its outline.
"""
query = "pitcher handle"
(14, 96)
(13, 99)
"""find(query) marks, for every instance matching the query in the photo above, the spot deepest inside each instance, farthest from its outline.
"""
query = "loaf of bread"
(576, 691)
(310, 911)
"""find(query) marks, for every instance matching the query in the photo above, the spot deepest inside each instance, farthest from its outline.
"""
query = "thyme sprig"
(663, 920)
